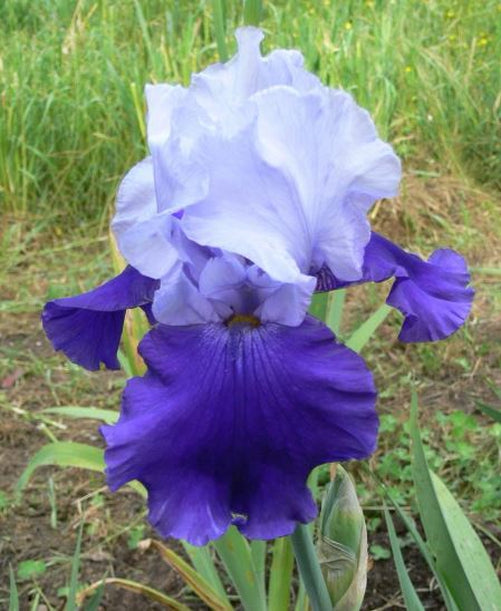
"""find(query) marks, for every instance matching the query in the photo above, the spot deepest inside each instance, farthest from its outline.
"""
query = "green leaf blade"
(108, 416)
(13, 593)
(490, 411)
(194, 580)
(67, 454)
(367, 329)
(476, 562)
(204, 565)
(282, 565)
(71, 603)
(318, 306)
(63, 454)
(236, 555)
(258, 553)
(335, 309)
(461, 559)
(136, 587)
(412, 601)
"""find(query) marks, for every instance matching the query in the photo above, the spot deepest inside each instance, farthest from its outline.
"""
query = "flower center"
(243, 319)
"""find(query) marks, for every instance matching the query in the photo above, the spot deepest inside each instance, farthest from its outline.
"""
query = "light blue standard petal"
(249, 209)
(263, 161)
(144, 237)
(221, 90)
(223, 280)
(179, 302)
(328, 149)
(218, 286)
(286, 304)
(290, 192)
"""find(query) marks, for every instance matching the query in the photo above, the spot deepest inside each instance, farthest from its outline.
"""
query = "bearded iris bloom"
(254, 196)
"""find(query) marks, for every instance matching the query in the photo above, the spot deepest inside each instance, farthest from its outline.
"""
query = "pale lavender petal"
(286, 304)
(162, 100)
(223, 279)
(252, 216)
(136, 200)
(179, 302)
(144, 237)
(221, 90)
(307, 173)
(328, 148)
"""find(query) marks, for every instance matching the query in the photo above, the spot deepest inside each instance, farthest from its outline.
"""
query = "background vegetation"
(72, 123)
(72, 76)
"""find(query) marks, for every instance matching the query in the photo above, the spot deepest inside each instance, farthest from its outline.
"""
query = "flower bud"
(342, 545)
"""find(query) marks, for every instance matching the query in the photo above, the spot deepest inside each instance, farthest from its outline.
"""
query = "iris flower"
(254, 196)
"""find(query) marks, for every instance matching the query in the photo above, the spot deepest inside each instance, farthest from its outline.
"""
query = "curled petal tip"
(434, 296)
(249, 38)
(88, 327)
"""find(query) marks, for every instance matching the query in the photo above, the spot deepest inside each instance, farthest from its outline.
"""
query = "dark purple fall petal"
(433, 295)
(229, 420)
(88, 327)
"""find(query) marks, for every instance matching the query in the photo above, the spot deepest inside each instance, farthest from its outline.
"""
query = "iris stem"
(220, 29)
(252, 12)
(309, 569)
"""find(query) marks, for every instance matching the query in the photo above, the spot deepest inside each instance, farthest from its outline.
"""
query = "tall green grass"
(72, 74)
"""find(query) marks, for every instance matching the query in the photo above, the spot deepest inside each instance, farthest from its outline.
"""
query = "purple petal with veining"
(229, 421)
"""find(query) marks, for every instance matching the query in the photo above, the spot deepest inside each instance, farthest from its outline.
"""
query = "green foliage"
(107, 416)
(490, 411)
(71, 604)
(378, 552)
(72, 75)
(236, 555)
(219, 29)
(252, 12)
(194, 580)
(30, 569)
(64, 454)
(97, 589)
(13, 593)
(310, 571)
(135, 535)
(94, 602)
(452, 549)
(202, 559)
(280, 577)
(455, 445)
(334, 311)
(4, 501)
(67, 454)
(461, 560)
(368, 328)
(422, 546)
(412, 601)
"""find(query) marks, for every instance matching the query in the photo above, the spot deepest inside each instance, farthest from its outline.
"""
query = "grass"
(71, 124)
(72, 75)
